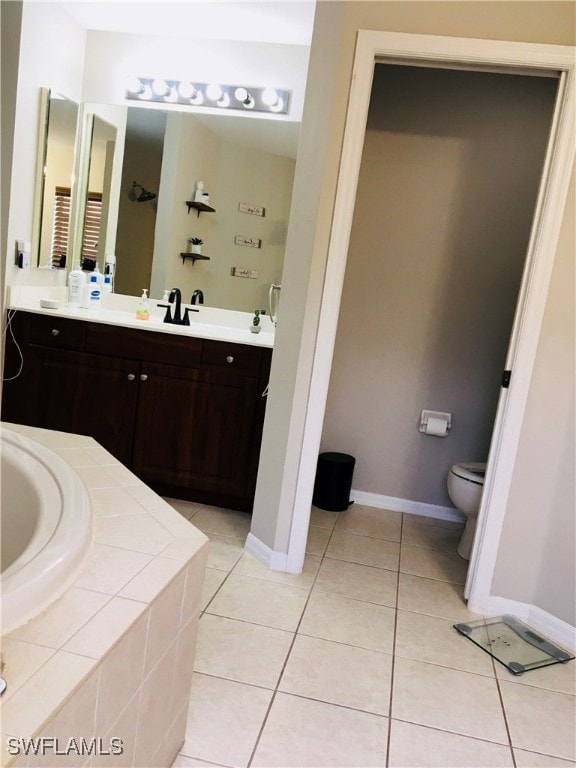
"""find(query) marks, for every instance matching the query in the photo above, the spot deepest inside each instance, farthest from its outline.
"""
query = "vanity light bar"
(208, 95)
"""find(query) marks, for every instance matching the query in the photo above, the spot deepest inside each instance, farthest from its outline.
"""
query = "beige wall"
(331, 59)
(537, 553)
(448, 184)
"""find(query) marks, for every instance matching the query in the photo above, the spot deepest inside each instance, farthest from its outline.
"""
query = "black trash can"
(333, 481)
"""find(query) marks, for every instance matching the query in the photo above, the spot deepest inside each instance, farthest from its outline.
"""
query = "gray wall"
(449, 178)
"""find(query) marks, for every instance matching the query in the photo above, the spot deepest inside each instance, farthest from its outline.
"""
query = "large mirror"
(96, 192)
(56, 156)
(247, 169)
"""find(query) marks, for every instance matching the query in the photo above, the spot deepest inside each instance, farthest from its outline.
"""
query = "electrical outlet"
(23, 249)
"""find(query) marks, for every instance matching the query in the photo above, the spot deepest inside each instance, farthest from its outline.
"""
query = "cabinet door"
(165, 440)
(193, 431)
(106, 401)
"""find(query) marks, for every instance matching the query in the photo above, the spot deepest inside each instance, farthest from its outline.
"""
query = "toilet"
(465, 486)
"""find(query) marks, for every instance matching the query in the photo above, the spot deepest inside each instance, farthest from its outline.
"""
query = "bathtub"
(46, 527)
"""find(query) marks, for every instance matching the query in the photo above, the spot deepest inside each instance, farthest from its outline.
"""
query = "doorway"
(451, 166)
(453, 53)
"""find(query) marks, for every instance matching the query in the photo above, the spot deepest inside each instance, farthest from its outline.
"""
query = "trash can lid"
(342, 458)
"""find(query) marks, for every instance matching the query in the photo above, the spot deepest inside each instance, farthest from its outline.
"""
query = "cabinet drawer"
(57, 332)
(233, 358)
(149, 346)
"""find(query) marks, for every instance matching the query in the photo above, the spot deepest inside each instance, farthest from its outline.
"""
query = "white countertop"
(117, 309)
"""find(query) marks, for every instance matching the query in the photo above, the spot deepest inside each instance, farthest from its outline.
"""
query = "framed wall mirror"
(54, 179)
(246, 162)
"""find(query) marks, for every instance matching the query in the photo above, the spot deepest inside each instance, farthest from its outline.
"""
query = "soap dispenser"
(143, 308)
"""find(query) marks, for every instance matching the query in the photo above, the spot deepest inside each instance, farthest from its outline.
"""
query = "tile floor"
(354, 662)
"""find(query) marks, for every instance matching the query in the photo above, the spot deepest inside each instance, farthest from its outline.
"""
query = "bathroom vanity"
(183, 412)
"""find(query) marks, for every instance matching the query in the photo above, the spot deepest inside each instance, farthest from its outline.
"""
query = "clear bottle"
(107, 286)
(76, 283)
(99, 275)
(143, 308)
(93, 293)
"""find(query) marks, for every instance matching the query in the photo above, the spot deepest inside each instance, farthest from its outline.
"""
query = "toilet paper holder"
(436, 417)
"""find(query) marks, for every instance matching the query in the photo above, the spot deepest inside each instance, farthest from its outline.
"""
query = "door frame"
(485, 55)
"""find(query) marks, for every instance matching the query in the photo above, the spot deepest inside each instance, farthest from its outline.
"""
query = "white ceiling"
(267, 21)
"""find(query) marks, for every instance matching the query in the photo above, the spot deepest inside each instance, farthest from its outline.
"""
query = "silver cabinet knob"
(229, 359)
(131, 376)
(143, 377)
(55, 332)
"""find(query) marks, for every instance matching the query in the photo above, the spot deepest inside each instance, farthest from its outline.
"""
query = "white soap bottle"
(107, 286)
(93, 293)
(76, 283)
(99, 275)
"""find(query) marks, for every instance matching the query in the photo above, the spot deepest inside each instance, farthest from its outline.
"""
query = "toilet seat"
(473, 471)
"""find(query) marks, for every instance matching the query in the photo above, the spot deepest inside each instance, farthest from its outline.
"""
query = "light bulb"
(146, 93)
(278, 106)
(186, 90)
(224, 101)
(160, 87)
(214, 92)
(241, 94)
(133, 85)
(269, 97)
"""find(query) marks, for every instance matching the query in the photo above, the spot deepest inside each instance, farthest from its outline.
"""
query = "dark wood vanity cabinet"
(185, 414)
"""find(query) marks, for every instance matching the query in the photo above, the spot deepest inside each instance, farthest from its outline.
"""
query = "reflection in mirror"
(246, 164)
(97, 193)
(55, 173)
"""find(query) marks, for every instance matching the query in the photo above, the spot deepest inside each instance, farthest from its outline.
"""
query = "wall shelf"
(194, 257)
(199, 207)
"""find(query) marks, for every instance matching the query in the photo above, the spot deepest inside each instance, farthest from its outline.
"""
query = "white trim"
(407, 506)
(276, 561)
(372, 45)
(553, 628)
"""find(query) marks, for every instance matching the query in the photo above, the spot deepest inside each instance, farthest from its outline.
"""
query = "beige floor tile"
(433, 564)
(223, 522)
(224, 552)
(442, 537)
(317, 540)
(344, 620)
(539, 720)
(364, 550)
(182, 761)
(260, 601)
(556, 677)
(534, 760)
(339, 674)
(186, 508)
(414, 746)
(368, 521)
(224, 720)
(249, 566)
(363, 582)
(448, 699)
(433, 597)
(237, 650)
(212, 582)
(323, 518)
(434, 640)
(300, 733)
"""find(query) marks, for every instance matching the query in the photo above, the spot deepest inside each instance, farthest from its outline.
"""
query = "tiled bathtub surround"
(354, 662)
(113, 656)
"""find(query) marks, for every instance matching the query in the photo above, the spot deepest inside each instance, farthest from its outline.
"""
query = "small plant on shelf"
(195, 244)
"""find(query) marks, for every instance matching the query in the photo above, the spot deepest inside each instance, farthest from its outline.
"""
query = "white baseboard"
(553, 628)
(276, 561)
(409, 507)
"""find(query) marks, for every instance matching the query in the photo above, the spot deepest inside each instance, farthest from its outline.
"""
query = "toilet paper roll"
(437, 426)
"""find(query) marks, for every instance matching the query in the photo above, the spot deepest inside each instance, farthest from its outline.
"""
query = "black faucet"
(175, 298)
(197, 295)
